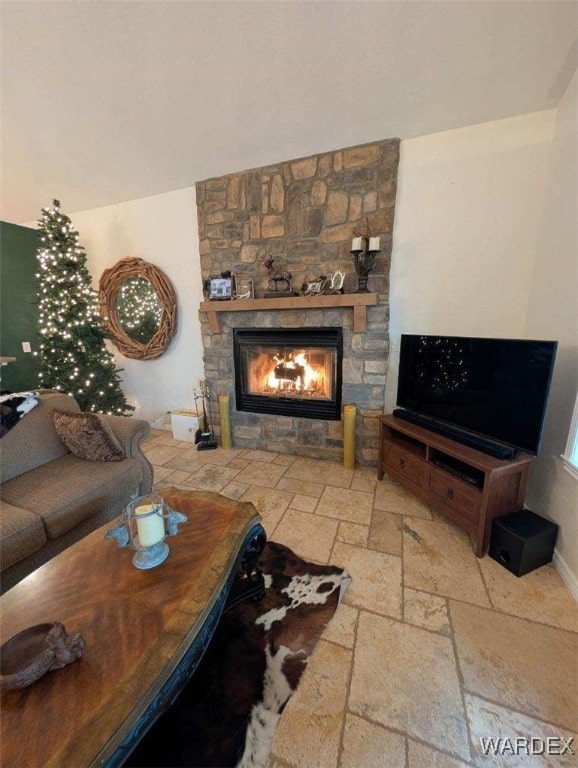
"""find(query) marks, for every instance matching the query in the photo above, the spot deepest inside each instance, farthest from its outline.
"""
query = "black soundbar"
(498, 450)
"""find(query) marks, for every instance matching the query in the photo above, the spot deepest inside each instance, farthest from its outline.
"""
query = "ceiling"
(104, 102)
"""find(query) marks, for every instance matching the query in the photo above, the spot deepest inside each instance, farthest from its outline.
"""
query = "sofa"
(50, 498)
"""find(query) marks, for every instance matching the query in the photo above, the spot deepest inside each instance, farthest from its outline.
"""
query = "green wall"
(18, 308)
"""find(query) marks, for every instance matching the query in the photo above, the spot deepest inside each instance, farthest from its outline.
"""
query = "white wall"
(162, 230)
(551, 313)
(468, 213)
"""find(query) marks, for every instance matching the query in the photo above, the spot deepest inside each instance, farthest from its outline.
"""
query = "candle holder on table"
(144, 526)
(364, 251)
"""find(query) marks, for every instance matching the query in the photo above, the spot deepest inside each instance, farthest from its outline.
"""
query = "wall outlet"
(26, 346)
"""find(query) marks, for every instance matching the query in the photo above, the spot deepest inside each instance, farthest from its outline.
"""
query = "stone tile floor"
(431, 650)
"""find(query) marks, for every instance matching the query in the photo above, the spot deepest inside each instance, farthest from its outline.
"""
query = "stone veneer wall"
(304, 213)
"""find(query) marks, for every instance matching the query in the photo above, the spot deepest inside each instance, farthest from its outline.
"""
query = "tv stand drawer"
(449, 512)
(455, 494)
(407, 465)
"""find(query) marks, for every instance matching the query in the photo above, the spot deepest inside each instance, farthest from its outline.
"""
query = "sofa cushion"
(21, 534)
(34, 440)
(69, 490)
(86, 436)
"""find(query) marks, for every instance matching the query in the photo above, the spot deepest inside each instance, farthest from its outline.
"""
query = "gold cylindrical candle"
(349, 424)
(225, 420)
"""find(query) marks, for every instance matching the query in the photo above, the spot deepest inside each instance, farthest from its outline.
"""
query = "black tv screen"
(497, 388)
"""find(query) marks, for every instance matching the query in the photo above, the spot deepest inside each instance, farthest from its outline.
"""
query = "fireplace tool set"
(204, 436)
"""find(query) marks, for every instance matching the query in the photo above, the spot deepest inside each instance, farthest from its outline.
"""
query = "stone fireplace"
(303, 213)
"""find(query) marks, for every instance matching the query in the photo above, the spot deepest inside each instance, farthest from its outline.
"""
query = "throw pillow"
(87, 436)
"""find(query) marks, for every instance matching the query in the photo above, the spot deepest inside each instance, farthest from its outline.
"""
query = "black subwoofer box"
(522, 541)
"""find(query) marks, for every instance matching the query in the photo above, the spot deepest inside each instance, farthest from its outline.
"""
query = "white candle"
(356, 244)
(150, 529)
(374, 244)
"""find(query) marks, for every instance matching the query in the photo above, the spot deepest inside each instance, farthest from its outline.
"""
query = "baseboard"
(566, 574)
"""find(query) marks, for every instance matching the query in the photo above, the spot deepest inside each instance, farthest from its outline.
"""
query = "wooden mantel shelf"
(359, 302)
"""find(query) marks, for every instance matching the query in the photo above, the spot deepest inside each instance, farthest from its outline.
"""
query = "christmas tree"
(72, 352)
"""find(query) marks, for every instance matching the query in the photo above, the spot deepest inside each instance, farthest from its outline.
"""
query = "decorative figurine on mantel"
(364, 249)
(334, 284)
(325, 285)
(276, 278)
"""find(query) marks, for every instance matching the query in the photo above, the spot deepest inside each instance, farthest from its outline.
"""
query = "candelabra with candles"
(364, 250)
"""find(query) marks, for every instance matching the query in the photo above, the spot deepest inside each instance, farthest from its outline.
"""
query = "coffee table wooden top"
(136, 624)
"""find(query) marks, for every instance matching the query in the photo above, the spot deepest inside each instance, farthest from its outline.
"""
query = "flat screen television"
(492, 393)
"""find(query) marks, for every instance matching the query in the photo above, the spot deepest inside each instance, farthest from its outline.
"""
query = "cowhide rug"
(227, 715)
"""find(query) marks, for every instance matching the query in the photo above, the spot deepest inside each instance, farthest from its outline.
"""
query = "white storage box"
(185, 424)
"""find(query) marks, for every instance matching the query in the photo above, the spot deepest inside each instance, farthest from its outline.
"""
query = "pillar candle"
(373, 244)
(151, 529)
(349, 423)
(225, 420)
(357, 244)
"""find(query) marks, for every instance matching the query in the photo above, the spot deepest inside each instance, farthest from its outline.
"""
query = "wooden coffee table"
(145, 632)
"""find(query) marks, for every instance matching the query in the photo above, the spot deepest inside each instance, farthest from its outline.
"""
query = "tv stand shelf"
(466, 485)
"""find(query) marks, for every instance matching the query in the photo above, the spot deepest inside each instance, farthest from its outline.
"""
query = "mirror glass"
(138, 309)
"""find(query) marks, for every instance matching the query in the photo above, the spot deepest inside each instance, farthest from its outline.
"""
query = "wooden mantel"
(359, 302)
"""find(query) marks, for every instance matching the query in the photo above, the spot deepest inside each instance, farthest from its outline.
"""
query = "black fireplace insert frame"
(307, 408)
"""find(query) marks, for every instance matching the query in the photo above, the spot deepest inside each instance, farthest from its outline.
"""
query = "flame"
(308, 377)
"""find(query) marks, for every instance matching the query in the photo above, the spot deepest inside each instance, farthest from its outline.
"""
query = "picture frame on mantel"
(244, 287)
(312, 287)
(220, 288)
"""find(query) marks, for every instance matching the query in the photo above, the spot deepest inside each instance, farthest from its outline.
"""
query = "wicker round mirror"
(139, 308)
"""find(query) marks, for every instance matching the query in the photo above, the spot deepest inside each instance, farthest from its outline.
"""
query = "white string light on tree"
(71, 354)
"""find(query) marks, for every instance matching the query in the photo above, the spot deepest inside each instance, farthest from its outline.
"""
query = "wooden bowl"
(32, 653)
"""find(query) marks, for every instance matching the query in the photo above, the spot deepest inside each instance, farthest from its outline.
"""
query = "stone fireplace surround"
(304, 213)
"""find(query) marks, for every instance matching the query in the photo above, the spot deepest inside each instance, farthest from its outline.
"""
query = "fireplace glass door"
(294, 372)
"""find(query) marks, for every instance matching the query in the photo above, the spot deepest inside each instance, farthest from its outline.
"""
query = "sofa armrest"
(129, 433)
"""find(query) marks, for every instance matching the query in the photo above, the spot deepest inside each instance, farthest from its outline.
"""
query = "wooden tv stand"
(466, 485)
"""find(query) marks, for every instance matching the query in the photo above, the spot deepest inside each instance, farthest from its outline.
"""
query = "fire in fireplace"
(291, 372)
